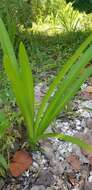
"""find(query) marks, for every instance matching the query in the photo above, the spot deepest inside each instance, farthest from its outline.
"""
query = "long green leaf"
(21, 97)
(71, 139)
(27, 79)
(70, 78)
(60, 76)
(7, 46)
(62, 101)
(14, 75)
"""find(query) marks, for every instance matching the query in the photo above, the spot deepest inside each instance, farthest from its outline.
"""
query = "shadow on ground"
(51, 52)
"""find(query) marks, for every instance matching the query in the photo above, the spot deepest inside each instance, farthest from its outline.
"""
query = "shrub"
(59, 13)
(4, 124)
(69, 18)
(15, 13)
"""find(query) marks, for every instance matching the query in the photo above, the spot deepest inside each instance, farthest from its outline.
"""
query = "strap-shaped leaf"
(21, 96)
(27, 79)
(71, 139)
(63, 100)
(7, 46)
(67, 82)
(12, 69)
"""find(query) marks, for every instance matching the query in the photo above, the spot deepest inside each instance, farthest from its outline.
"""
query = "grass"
(49, 53)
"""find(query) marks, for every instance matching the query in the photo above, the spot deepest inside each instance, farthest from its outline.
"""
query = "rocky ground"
(60, 165)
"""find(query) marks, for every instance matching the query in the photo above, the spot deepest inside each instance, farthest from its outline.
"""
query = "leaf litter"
(20, 162)
(59, 165)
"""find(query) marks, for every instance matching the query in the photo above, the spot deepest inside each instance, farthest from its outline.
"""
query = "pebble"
(83, 108)
(89, 123)
(90, 172)
(45, 177)
(35, 165)
(51, 163)
(82, 158)
(41, 187)
(90, 178)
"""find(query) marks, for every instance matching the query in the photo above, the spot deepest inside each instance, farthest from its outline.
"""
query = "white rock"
(35, 165)
(41, 187)
(90, 178)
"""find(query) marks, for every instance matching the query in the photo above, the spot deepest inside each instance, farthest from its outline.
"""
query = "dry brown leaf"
(20, 162)
(72, 180)
(74, 161)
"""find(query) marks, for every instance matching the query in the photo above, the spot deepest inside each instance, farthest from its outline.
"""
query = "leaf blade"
(71, 139)
(26, 74)
(67, 97)
(60, 76)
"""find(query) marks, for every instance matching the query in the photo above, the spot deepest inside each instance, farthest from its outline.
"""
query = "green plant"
(4, 124)
(59, 14)
(15, 13)
(3, 165)
(69, 18)
(7, 138)
(63, 88)
(19, 11)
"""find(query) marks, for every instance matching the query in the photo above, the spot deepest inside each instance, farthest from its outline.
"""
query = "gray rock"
(77, 150)
(49, 129)
(58, 169)
(89, 123)
(88, 186)
(51, 188)
(48, 149)
(39, 159)
(90, 179)
(35, 166)
(83, 109)
(45, 178)
(41, 187)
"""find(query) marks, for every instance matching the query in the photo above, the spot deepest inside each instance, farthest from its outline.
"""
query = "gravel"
(50, 168)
